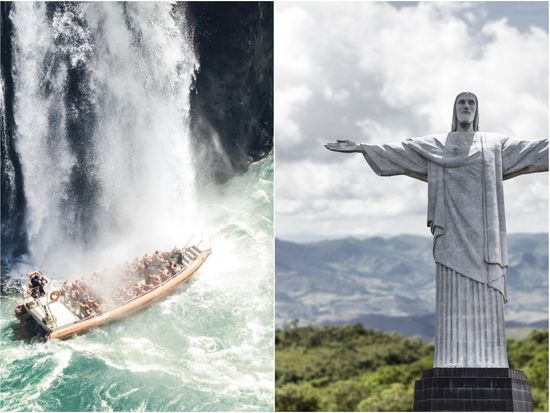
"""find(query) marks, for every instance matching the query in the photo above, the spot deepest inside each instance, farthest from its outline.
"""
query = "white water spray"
(136, 65)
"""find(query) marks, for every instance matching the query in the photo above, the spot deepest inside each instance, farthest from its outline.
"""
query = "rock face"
(232, 109)
(14, 240)
(389, 283)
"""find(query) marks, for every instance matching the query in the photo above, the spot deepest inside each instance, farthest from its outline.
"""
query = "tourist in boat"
(128, 291)
(38, 281)
(165, 273)
(65, 290)
(79, 291)
(84, 296)
(138, 290)
(159, 255)
(94, 305)
(153, 279)
(147, 263)
(85, 310)
(156, 263)
(73, 293)
(141, 269)
(176, 256)
(176, 268)
(147, 287)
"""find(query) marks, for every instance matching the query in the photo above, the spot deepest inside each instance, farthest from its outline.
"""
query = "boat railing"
(197, 251)
(190, 253)
(36, 294)
(197, 244)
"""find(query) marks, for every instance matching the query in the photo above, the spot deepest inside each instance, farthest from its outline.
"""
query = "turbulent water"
(207, 347)
(102, 134)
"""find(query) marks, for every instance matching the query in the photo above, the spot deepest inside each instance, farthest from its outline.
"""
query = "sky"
(377, 72)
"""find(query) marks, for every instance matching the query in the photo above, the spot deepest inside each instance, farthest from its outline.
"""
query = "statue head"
(465, 111)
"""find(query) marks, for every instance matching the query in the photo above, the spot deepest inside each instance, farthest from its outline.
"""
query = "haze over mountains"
(389, 283)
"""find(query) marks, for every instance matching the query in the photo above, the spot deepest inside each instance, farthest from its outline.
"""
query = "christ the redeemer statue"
(464, 170)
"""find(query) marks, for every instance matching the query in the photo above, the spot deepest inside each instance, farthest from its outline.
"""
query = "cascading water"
(101, 131)
(102, 111)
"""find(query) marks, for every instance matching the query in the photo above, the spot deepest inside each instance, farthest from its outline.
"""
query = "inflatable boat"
(58, 316)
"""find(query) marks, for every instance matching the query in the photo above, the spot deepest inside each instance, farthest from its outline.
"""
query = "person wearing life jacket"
(38, 281)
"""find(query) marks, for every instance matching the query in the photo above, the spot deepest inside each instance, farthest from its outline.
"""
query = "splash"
(207, 347)
(102, 114)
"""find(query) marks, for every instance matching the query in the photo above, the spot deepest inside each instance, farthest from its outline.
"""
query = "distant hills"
(389, 283)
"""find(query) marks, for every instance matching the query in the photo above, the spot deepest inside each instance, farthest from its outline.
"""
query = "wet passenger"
(129, 293)
(85, 310)
(163, 274)
(38, 281)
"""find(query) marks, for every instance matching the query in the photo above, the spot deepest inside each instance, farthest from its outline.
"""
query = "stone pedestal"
(471, 390)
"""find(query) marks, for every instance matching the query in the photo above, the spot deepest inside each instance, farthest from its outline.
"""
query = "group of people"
(145, 274)
(81, 298)
(138, 277)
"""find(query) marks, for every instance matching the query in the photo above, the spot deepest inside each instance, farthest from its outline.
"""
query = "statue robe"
(467, 220)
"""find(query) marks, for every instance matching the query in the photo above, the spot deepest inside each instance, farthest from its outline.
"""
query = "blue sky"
(376, 72)
(519, 14)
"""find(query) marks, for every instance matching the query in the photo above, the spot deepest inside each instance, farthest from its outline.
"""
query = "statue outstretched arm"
(343, 145)
(387, 159)
(524, 156)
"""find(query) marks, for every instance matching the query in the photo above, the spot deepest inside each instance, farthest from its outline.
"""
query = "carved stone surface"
(472, 389)
(465, 171)
(469, 322)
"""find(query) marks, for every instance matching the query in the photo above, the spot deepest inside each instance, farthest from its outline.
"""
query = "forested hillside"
(351, 368)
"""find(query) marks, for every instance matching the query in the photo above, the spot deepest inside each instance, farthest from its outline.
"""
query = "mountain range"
(389, 283)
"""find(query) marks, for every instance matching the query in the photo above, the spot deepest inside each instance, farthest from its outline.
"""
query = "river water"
(206, 347)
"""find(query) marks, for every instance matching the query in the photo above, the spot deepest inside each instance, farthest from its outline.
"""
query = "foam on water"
(24, 386)
(208, 346)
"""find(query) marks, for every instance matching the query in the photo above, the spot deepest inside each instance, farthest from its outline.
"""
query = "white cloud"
(312, 198)
(286, 102)
(374, 72)
(372, 130)
(294, 58)
(340, 96)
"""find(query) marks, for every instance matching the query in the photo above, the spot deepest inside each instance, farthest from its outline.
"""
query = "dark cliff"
(232, 107)
(14, 241)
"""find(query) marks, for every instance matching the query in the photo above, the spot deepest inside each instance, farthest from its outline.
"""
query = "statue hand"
(343, 146)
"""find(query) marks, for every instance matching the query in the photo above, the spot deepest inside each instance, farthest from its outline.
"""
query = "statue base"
(472, 390)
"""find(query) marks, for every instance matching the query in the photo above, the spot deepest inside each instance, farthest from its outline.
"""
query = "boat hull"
(131, 306)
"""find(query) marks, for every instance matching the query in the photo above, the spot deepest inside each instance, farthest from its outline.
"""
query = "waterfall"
(101, 112)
